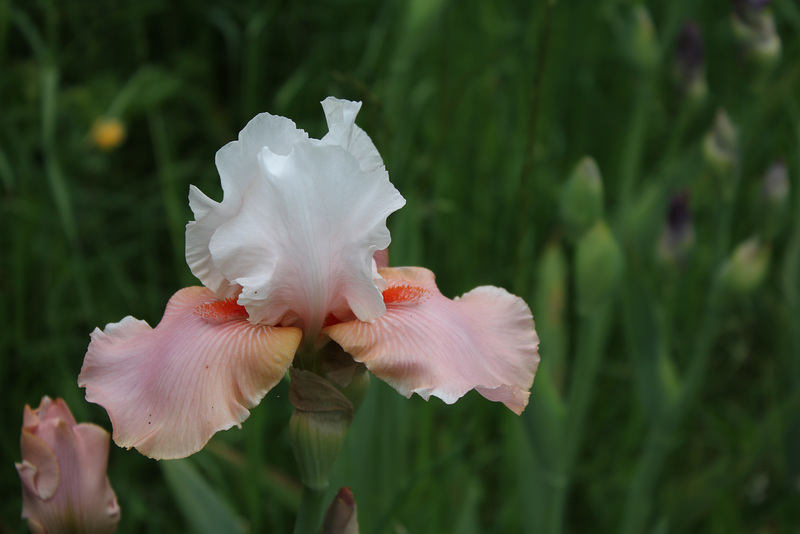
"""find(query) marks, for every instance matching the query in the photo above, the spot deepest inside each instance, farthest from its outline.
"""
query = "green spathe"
(721, 145)
(582, 198)
(744, 271)
(598, 267)
(318, 426)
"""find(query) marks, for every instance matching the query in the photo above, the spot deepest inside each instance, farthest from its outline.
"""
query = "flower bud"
(677, 235)
(598, 267)
(754, 28)
(744, 271)
(642, 41)
(318, 426)
(107, 134)
(721, 145)
(774, 199)
(690, 68)
(350, 377)
(582, 198)
(342, 516)
(63, 471)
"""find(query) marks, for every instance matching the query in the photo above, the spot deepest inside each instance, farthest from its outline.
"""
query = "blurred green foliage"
(673, 406)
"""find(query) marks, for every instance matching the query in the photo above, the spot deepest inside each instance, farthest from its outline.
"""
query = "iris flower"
(294, 256)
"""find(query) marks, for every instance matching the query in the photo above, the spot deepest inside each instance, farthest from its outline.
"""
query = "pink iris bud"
(342, 516)
(63, 471)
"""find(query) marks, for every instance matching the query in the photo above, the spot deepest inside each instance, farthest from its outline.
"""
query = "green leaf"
(205, 511)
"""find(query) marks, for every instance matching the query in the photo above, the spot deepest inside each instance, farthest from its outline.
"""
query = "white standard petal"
(341, 116)
(238, 166)
(297, 236)
(302, 245)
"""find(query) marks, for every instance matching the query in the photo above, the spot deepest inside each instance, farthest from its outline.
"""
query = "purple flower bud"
(747, 9)
(677, 236)
(689, 63)
(679, 218)
(690, 53)
(754, 28)
(774, 200)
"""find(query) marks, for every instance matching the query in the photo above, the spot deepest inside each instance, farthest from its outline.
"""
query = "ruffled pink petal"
(169, 389)
(39, 470)
(295, 237)
(431, 345)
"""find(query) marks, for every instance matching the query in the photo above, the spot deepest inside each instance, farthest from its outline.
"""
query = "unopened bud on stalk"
(350, 377)
(690, 67)
(754, 28)
(744, 271)
(598, 267)
(582, 198)
(63, 471)
(342, 516)
(677, 235)
(721, 145)
(642, 41)
(318, 426)
(774, 199)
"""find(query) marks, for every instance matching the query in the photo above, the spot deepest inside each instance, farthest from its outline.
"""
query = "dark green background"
(480, 111)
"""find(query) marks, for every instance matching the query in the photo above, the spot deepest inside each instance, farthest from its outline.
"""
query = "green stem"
(523, 254)
(310, 512)
(792, 262)
(638, 502)
(659, 442)
(593, 332)
(634, 142)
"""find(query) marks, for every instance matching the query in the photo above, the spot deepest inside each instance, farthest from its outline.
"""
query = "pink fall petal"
(431, 345)
(63, 473)
(169, 389)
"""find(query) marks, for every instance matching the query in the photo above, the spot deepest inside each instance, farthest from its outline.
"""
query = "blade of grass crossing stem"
(643, 343)
(593, 335)
(467, 519)
(204, 510)
(255, 447)
(58, 187)
(49, 83)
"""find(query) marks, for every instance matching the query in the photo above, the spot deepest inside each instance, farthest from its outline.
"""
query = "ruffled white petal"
(341, 116)
(168, 390)
(298, 231)
(238, 166)
(431, 345)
